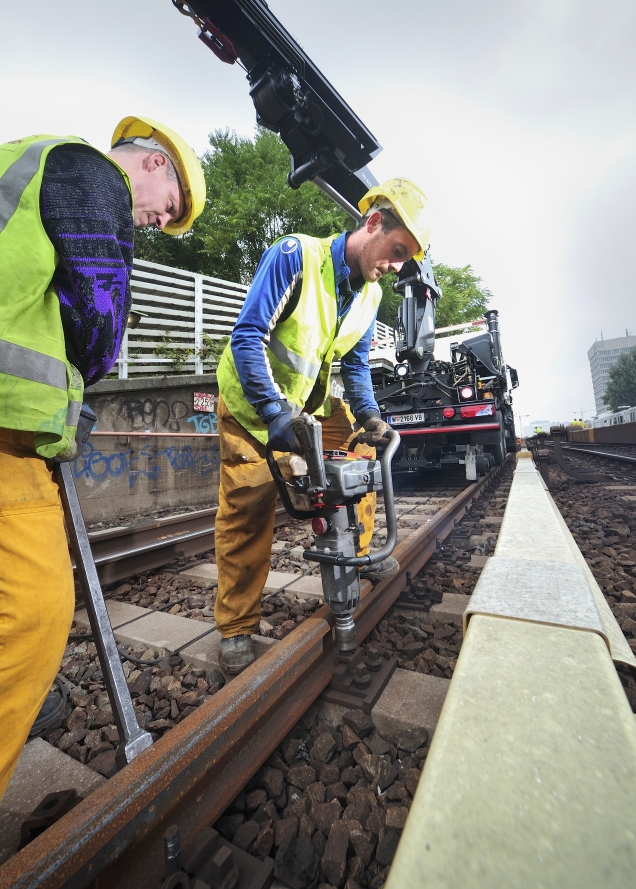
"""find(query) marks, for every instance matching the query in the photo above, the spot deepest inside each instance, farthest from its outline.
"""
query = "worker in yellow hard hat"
(67, 219)
(142, 146)
(313, 301)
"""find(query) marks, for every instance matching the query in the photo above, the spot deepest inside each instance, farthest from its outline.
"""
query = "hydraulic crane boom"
(327, 141)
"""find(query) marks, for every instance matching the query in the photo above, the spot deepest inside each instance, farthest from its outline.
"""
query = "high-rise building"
(603, 355)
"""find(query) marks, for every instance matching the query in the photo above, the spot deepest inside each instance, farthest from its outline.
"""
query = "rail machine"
(454, 408)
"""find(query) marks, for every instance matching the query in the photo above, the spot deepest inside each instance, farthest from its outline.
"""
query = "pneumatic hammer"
(325, 487)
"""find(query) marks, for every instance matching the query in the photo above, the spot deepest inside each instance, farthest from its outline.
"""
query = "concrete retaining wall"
(126, 476)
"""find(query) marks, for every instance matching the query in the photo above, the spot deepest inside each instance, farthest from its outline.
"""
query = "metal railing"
(179, 309)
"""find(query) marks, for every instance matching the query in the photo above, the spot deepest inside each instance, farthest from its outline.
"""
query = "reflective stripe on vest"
(73, 413)
(291, 359)
(302, 348)
(18, 176)
(19, 361)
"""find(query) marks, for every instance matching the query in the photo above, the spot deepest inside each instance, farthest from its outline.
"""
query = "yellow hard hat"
(186, 163)
(408, 202)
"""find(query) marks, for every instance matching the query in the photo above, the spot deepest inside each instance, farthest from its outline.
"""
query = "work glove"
(375, 430)
(85, 424)
(280, 431)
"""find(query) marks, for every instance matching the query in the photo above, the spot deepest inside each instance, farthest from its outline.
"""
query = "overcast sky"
(517, 118)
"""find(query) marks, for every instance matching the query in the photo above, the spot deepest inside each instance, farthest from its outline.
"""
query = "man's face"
(157, 198)
(382, 252)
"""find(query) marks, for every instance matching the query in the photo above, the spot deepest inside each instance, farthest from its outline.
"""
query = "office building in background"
(602, 356)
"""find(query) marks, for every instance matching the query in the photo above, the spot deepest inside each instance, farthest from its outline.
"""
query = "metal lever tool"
(135, 739)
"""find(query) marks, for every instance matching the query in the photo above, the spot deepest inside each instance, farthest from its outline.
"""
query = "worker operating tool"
(313, 301)
(67, 219)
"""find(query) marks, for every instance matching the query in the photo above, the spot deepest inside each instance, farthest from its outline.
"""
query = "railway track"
(626, 454)
(196, 769)
(123, 551)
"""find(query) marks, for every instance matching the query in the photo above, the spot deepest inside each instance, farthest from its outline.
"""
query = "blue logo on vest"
(289, 245)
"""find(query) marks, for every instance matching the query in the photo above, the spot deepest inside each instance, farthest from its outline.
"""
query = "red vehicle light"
(448, 412)
(467, 392)
(477, 410)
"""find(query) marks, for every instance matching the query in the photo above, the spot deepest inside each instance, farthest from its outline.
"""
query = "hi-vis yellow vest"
(302, 348)
(40, 391)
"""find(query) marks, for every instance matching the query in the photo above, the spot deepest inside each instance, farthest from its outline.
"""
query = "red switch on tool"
(319, 526)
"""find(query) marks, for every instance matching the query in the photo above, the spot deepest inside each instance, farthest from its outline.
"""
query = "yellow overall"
(36, 591)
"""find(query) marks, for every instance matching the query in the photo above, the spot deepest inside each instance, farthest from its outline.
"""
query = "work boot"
(386, 568)
(50, 715)
(237, 653)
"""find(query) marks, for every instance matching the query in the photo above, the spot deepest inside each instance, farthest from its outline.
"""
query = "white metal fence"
(181, 310)
(383, 334)
(179, 307)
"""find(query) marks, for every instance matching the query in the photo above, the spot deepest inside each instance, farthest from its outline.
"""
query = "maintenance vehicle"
(449, 397)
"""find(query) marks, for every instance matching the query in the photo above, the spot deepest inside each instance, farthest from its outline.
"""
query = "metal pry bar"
(135, 739)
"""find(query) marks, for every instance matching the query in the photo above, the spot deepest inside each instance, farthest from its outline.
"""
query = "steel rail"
(621, 457)
(114, 838)
(121, 552)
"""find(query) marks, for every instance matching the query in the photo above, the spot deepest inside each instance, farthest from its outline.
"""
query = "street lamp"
(521, 416)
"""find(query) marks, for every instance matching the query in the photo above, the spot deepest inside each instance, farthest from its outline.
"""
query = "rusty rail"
(620, 457)
(114, 838)
(120, 552)
(557, 433)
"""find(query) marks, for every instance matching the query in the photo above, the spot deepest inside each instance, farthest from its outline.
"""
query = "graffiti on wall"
(159, 415)
(154, 414)
(148, 461)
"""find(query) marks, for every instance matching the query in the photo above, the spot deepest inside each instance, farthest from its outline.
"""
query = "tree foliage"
(621, 385)
(464, 297)
(249, 204)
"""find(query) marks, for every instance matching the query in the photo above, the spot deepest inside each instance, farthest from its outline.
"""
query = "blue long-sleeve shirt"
(271, 298)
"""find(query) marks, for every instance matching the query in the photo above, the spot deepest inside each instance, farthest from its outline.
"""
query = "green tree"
(464, 297)
(249, 205)
(621, 385)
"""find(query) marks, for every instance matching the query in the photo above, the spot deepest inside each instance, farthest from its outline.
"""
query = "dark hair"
(389, 220)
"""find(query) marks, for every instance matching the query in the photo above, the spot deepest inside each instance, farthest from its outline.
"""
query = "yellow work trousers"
(36, 591)
(245, 520)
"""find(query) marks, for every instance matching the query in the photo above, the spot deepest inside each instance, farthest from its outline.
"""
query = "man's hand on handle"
(375, 431)
(280, 430)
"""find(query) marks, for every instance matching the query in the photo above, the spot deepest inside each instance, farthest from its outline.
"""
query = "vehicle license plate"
(405, 419)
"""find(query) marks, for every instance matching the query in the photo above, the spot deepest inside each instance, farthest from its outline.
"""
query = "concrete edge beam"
(531, 750)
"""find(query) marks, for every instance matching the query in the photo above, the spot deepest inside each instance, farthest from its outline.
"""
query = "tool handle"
(391, 520)
(135, 739)
(308, 431)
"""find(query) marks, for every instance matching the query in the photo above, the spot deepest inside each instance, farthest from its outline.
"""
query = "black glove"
(280, 431)
(85, 423)
(375, 430)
